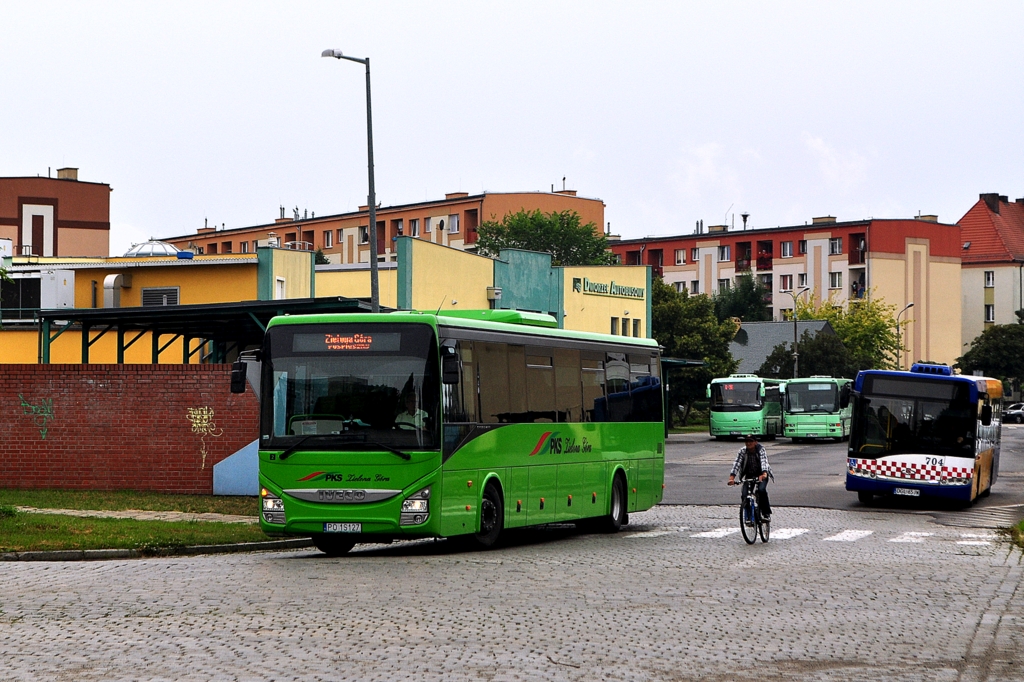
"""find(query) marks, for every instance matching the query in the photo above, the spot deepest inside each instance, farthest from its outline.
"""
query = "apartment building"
(900, 261)
(992, 253)
(345, 238)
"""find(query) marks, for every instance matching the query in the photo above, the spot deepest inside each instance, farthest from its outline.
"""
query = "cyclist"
(752, 462)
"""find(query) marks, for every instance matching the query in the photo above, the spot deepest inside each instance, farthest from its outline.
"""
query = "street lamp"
(796, 354)
(900, 333)
(372, 199)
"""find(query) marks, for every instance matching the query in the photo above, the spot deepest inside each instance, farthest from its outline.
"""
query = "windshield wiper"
(404, 455)
(290, 450)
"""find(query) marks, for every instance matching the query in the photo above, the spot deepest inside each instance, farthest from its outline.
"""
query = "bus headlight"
(416, 508)
(273, 507)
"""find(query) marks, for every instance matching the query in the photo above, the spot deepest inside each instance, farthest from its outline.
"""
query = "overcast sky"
(669, 112)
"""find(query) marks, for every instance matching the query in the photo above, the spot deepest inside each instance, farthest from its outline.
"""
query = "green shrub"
(7, 512)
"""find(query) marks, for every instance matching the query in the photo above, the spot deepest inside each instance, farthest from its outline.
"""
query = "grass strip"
(1017, 533)
(43, 532)
(120, 500)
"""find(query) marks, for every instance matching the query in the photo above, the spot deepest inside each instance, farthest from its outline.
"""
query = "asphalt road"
(814, 475)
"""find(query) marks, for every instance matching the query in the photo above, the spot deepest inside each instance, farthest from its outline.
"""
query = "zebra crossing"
(848, 535)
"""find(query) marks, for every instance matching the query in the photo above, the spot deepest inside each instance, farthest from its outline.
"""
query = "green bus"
(383, 427)
(818, 407)
(745, 403)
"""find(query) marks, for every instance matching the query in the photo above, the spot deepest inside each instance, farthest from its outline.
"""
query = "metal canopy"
(218, 327)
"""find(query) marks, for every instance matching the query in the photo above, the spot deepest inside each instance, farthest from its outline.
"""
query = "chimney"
(67, 174)
(824, 220)
(991, 200)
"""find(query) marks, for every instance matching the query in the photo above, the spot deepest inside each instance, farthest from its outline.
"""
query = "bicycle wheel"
(747, 525)
(764, 528)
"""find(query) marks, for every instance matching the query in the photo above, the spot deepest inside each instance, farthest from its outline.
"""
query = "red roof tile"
(994, 237)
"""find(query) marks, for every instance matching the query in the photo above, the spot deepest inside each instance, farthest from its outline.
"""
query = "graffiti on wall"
(42, 414)
(203, 424)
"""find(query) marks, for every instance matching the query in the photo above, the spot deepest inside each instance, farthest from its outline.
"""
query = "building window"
(364, 234)
(615, 326)
(835, 246)
(694, 254)
(724, 253)
(695, 286)
(243, 247)
(399, 226)
(625, 326)
(328, 239)
(766, 282)
(426, 226)
(279, 289)
(786, 314)
(159, 296)
(786, 248)
(802, 246)
(255, 245)
(990, 312)
(801, 279)
(680, 256)
(680, 287)
(990, 279)
(453, 223)
(211, 249)
(723, 285)
(199, 250)
(636, 329)
(835, 280)
(785, 282)
(226, 247)
(414, 227)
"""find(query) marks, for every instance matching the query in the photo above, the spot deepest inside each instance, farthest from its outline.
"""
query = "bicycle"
(752, 523)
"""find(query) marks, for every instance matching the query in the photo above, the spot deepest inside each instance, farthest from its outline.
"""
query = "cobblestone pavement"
(140, 515)
(677, 596)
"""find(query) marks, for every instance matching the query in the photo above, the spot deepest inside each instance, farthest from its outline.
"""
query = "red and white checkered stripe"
(912, 471)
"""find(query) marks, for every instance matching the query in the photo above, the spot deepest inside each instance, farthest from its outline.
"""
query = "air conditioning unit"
(493, 293)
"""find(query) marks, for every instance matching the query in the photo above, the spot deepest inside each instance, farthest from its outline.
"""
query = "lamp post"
(372, 199)
(899, 333)
(796, 354)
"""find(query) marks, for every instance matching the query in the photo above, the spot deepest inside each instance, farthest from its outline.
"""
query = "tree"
(822, 354)
(686, 326)
(865, 326)
(997, 352)
(319, 258)
(746, 300)
(560, 234)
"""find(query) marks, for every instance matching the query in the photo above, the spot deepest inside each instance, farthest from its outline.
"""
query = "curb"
(100, 554)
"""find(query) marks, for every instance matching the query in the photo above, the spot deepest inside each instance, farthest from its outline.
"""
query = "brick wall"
(120, 427)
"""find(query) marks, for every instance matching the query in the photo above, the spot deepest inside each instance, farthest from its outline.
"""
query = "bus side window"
(540, 385)
(568, 390)
(460, 400)
(518, 411)
(592, 377)
(619, 404)
(492, 359)
(645, 389)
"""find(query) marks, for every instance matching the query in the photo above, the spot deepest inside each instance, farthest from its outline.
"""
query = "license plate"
(734, 433)
(812, 435)
(343, 528)
(909, 492)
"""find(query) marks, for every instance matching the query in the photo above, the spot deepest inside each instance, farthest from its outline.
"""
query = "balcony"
(743, 264)
(764, 262)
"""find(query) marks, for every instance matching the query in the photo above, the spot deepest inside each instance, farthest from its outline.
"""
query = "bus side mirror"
(782, 389)
(844, 396)
(709, 391)
(760, 391)
(449, 366)
(986, 415)
(238, 370)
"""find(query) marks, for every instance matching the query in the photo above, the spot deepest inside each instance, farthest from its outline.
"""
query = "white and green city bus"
(745, 403)
(818, 407)
(377, 427)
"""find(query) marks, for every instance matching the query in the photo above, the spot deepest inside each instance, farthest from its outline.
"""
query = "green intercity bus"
(818, 407)
(382, 427)
(745, 403)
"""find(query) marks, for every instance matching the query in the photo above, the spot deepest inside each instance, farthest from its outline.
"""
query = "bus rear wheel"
(492, 518)
(332, 545)
(616, 518)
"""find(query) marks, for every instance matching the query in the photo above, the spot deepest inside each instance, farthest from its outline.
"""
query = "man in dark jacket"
(752, 463)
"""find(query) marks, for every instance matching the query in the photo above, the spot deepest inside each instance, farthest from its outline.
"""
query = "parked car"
(1014, 413)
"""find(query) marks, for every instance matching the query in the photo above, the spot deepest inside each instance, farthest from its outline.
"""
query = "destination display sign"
(346, 341)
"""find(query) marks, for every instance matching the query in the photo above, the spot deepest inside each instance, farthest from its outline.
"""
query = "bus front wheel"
(865, 497)
(332, 545)
(492, 517)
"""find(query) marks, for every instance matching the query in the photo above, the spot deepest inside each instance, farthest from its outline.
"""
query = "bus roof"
(817, 379)
(751, 378)
(528, 323)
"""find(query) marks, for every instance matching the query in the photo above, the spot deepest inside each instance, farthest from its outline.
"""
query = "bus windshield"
(913, 416)
(805, 398)
(352, 386)
(735, 396)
